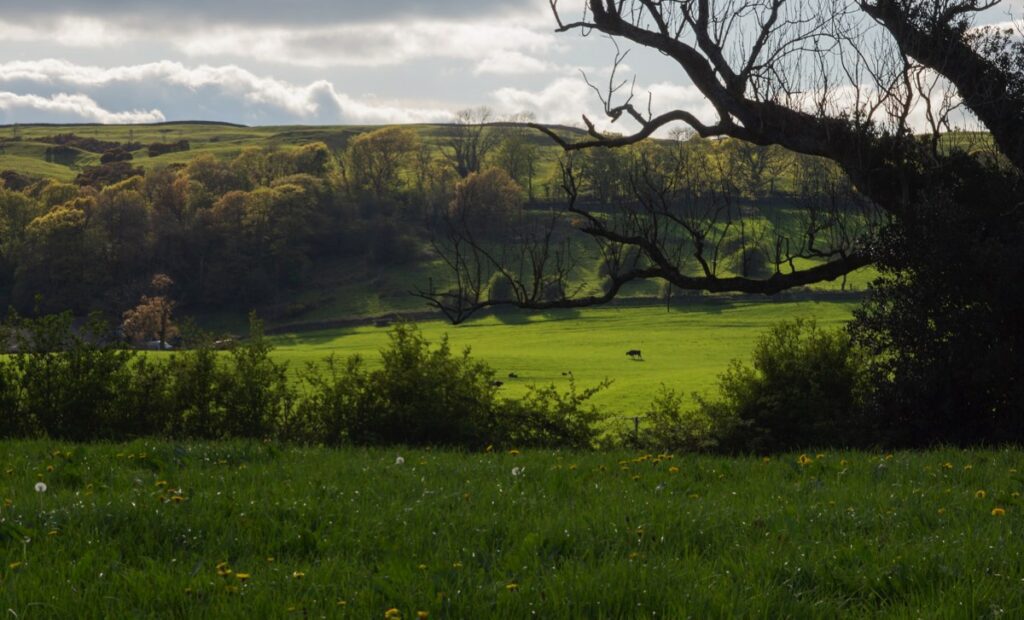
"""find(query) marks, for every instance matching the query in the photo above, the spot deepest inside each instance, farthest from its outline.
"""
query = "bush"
(667, 428)
(806, 387)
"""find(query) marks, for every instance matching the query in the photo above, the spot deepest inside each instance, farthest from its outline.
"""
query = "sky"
(274, 62)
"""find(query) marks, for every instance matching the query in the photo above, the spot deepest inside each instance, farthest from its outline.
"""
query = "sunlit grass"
(153, 529)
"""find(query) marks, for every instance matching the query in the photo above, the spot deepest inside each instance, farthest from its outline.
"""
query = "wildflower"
(819, 456)
(14, 565)
(1015, 494)
(572, 467)
(513, 452)
(634, 555)
(980, 494)
(517, 471)
(511, 586)
(636, 478)
(998, 512)
(177, 499)
(947, 465)
(804, 460)
(842, 463)
(422, 615)
(392, 614)
(766, 459)
(298, 574)
(456, 565)
(223, 569)
(399, 461)
(422, 567)
(53, 533)
(968, 467)
(341, 603)
(242, 576)
(40, 487)
(489, 448)
(161, 483)
(942, 511)
(673, 470)
(49, 468)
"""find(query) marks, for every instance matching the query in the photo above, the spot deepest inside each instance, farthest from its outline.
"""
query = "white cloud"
(63, 107)
(564, 100)
(367, 45)
(228, 87)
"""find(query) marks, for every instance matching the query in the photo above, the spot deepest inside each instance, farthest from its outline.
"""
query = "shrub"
(805, 387)
(546, 418)
(667, 428)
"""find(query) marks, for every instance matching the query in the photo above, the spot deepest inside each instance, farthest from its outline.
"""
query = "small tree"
(152, 317)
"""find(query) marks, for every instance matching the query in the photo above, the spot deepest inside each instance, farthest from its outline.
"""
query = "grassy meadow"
(247, 530)
(685, 349)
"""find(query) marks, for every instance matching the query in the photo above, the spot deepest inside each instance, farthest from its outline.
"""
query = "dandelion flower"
(14, 565)
(980, 494)
(968, 467)
(766, 459)
(513, 452)
(942, 511)
(242, 576)
(804, 460)
(422, 615)
(298, 574)
(392, 614)
(512, 586)
(40, 487)
(399, 461)
(998, 512)
(673, 470)
(456, 565)
(947, 465)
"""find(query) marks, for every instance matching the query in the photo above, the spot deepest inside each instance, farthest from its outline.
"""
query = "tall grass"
(155, 529)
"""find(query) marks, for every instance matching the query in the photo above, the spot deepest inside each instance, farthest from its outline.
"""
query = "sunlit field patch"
(261, 530)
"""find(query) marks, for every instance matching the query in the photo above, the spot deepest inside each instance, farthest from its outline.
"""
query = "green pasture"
(685, 348)
(248, 530)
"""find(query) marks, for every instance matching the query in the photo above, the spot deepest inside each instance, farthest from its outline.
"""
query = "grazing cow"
(567, 373)
(513, 375)
(635, 354)
(497, 384)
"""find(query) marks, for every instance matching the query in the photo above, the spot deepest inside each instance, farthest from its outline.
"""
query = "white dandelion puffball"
(399, 461)
(40, 487)
(518, 471)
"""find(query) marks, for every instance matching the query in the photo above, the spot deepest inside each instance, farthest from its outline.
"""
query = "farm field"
(685, 349)
(153, 529)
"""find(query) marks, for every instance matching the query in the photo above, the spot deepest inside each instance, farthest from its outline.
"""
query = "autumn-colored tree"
(486, 201)
(376, 158)
(152, 319)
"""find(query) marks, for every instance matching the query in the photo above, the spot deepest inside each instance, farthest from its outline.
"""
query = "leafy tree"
(152, 317)
(377, 157)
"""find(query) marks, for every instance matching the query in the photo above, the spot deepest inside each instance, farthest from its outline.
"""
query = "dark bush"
(806, 387)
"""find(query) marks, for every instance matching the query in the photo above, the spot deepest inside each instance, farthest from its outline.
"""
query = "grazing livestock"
(497, 384)
(513, 375)
(635, 354)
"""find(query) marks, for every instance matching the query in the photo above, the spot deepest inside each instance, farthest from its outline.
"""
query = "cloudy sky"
(262, 62)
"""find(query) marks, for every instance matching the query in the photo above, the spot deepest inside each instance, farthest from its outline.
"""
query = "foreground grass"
(152, 529)
(685, 349)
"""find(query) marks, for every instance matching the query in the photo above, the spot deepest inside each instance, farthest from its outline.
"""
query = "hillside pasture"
(684, 349)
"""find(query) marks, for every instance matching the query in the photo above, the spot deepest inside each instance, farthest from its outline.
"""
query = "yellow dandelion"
(161, 483)
(49, 468)
(694, 496)
(572, 467)
(341, 603)
(1015, 494)
(804, 460)
(456, 565)
(998, 512)
(636, 478)
(297, 574)
(843, 463)
(968, 467)
(422, 615)
(177, 499)
(8, 502)
(53, 533)
(512, 586)
(947, 465)
(819, 456)
(766, 459)
(14, 565)
(242, 576)
(223, 569)
(980, 494)
(489, 448)
(392, 614)
(513, 452)
(673, 470)
(634, 555)
(942, 511)
(888, 457)
(422, 567)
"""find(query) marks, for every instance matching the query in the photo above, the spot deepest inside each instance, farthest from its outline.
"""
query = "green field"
(138, 531)
(684, 349)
